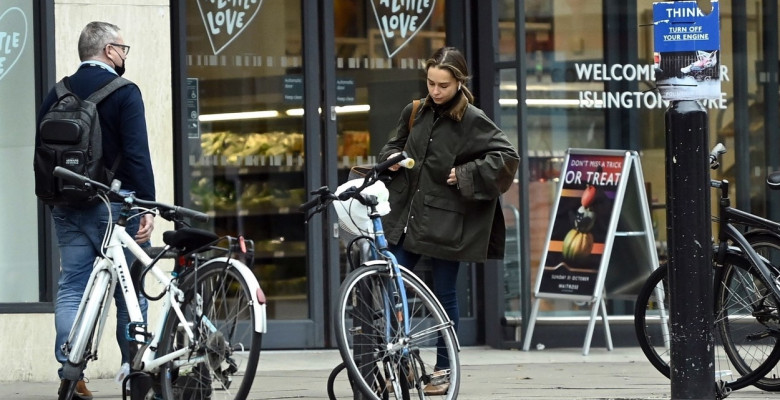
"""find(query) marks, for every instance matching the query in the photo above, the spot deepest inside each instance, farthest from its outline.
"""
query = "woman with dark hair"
(446, 207)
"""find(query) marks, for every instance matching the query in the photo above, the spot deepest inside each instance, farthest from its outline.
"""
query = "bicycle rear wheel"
(735, 367)
(748, 315)
(382, 361)
(224, 362)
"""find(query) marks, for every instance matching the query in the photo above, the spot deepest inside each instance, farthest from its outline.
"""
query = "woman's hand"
(394, 167)
(452, 179)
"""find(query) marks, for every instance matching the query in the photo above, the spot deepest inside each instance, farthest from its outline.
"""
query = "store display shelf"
(279, 249)
(255, 211)
(248, 165)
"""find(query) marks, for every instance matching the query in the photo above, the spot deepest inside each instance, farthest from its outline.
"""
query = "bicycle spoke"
(225, 341)
(379, 350)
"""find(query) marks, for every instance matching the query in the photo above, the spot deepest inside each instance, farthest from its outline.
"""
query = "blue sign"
(682, 26)
(687, 42)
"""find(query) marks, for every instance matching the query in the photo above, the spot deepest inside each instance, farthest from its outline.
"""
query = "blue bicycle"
(390, 328)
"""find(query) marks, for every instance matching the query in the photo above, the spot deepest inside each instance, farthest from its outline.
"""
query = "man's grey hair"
(95, 36)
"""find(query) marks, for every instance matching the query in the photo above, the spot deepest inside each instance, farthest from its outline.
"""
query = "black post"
(690, 263)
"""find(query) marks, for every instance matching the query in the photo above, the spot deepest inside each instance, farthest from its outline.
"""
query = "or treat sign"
(581, 223)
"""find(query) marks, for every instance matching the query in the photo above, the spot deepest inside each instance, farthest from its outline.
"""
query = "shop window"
(19, 265)
(582, 93)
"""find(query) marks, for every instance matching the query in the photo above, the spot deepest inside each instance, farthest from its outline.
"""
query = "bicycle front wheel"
(226, 351)
(84, 329)
(382, 359)
(747, 314)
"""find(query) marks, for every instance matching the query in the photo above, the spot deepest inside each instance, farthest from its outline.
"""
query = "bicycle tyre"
(738, 330)
(84, 326)
(405, 364)
(656, 347)
(337, 385)
(332, 381)
(226, 329)
(654, 300)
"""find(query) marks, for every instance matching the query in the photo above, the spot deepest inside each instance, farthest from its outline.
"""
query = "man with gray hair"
(80, 230)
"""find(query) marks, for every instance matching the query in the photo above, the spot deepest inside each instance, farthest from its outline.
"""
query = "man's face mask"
(120, 69)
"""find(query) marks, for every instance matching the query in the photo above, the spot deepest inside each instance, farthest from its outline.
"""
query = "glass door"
(380, 49)
(243, 152)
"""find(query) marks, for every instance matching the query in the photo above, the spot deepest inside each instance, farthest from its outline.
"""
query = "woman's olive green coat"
(462, 222)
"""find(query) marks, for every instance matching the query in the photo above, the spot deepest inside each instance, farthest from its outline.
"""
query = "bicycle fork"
(92, 310)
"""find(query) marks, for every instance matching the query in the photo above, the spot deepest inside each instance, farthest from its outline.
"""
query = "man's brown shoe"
(81, 393)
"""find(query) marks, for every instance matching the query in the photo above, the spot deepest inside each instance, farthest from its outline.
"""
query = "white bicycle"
(206, 344)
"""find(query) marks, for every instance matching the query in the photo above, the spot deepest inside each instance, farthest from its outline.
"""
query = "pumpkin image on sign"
(578, 243)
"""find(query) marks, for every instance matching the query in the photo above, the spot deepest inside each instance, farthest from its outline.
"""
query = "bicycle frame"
(371, 256)
(114, 263)
(381, 247)
(729, 217)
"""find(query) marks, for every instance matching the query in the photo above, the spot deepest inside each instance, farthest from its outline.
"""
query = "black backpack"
(70, 137)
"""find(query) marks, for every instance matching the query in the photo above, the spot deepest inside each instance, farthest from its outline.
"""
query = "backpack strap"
(98, 96)
(415, 106)
(114, 84)
(60, 88)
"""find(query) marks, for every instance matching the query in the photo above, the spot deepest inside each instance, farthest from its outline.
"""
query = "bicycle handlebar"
(324, 195)
(314, 201)
(169, 212)
(715, 154)
(381, 167)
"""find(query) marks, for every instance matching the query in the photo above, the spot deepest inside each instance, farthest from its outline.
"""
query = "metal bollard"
(690, 263)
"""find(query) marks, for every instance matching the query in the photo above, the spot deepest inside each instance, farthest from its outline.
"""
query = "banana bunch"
(212, 144)
(234, 146)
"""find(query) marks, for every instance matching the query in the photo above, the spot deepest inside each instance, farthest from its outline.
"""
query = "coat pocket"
(442, 221)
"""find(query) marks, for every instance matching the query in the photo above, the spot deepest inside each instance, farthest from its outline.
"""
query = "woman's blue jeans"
(445, 279)
(79, 236)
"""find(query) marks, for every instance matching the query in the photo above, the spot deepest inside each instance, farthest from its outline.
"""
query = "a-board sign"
(601, 199)
(584, 214)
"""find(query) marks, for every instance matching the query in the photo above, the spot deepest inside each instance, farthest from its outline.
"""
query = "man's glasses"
(125, 48)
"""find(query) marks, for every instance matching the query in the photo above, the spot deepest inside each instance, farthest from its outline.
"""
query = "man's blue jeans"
(80, 235)
(445, 278)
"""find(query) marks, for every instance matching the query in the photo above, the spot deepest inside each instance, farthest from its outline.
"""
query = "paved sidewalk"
(623, 373)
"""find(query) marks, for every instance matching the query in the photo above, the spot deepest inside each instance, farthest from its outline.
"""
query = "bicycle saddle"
(189, 239)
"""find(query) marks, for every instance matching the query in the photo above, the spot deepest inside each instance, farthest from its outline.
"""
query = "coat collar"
(455, 112)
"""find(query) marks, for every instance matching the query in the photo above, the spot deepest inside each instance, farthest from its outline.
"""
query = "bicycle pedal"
(135, 329)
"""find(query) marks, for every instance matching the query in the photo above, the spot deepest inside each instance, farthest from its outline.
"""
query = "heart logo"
(226, 19)
(400, 20)
(13, 37)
